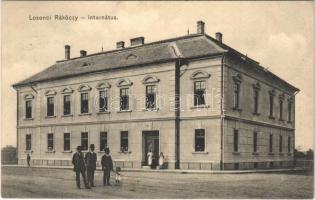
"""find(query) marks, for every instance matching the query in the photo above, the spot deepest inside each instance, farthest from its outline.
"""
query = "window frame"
(28, 109)
(82, 140)
(204, 140)
(84, 103)
(64, 104)
(236, 141)
(270, 143)
(124, 137)
(154, 89)
(28, 140)
(64, 142)
(50, 106)
(280, 143)
(100, 100)
(255, 142)
(121, 100)
(106, 144)
(203, 88)
(52, 141)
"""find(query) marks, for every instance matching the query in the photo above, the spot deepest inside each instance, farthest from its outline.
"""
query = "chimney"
(82, 53)
(120, 45)
(218, 36)
(137, 41)
(67, 52)
(200, 27)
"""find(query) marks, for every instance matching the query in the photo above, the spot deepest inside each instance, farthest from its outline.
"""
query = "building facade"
(201, 103)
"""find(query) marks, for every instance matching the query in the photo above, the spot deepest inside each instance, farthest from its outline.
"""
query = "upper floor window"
(200, 140)
(103, 140)
(256, 97)
(124, 146)
(124, 85)
(199, 92)
(103, 101)
(28, 109)
(84, 141)
(50, 141)
(50, 106)
(237, 87)
(271, 102)
(289, 111)
(150, 96)
(281, 109)
(66, 142)
(200, 82)
(28, 140)
(124, 98)
(84, 103)
(66, 104)
(235, 140)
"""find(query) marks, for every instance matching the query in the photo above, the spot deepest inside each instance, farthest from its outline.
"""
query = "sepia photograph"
(157, 100)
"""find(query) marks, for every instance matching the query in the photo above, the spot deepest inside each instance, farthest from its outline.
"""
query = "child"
(118, 175)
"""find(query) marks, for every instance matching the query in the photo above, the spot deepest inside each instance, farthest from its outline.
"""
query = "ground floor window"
(50, 141)
(28, 142)
(289, 144)
(66, 141)
(84, 141)
(199, 140)
(270, 143)
(103, 140)
(124, 140)
(235, 142)
(280, 143)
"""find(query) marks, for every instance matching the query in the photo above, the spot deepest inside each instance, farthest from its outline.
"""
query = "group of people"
(151, 160)
(86, 166)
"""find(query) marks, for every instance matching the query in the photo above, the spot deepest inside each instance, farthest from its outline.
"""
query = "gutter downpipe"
(222, 114)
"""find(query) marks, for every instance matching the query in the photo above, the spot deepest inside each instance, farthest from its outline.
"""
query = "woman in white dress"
(150, 157)
(161, 160)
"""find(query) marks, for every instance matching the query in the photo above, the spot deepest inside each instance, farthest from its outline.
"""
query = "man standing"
(107, 166)
(28, 158)
(90, 160)
(79, 167)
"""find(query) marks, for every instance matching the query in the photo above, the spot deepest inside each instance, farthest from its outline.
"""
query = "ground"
(20, 182)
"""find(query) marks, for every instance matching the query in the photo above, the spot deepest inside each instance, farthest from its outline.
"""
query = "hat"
(79, 148)
(92, 146)
(106, 150)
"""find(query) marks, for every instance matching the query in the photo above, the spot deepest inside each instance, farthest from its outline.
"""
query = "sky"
(279, 35)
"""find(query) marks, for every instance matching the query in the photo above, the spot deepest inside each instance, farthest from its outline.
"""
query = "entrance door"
(151, 141)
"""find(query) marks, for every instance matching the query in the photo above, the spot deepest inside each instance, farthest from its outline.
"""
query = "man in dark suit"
(107, 166)
(90, 160)
(79, 167)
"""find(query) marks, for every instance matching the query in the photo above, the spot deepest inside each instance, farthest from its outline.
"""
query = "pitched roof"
(189, 46)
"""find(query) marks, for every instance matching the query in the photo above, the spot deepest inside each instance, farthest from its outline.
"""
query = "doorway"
(151, 140)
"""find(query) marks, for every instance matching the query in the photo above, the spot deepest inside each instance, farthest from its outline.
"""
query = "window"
(281, 109)
(199, 140)
(289, 111)
(66, 105)
(280, 144)
(50, 141)
(270, 143)
(255, 142)
(235, 137)
(256, 100)
(236, 95)
(103, 101)
(289, 144)
(28, 140)
(124, 99)
(124, 141)
(199, 92)
(84, 103)
(103, 140)
(151, 96)
(66, 141)
(271, 97)
(84, 141)
(28, 109)
(50, 106)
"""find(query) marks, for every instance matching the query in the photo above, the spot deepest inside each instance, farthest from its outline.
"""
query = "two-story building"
(201, 103)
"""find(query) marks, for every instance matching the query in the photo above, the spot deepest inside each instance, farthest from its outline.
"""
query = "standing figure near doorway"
(161, 160)
(150, 157)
